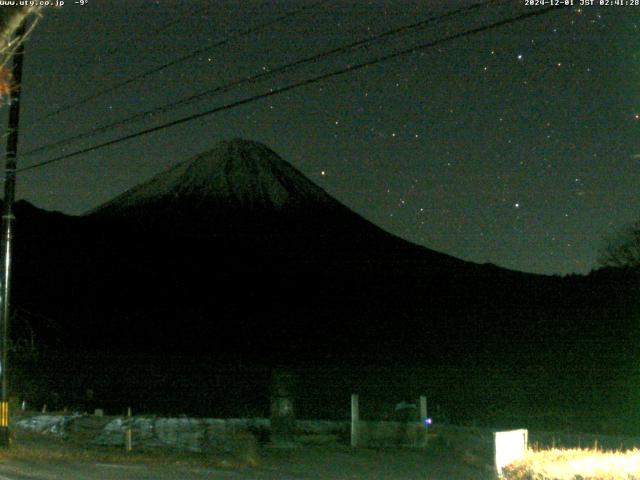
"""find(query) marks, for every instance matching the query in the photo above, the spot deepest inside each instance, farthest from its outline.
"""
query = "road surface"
(298, 464)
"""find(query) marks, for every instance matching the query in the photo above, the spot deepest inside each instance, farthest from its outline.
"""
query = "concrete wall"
(209, 434)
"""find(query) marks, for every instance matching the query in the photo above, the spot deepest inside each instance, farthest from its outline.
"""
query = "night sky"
(517, 146)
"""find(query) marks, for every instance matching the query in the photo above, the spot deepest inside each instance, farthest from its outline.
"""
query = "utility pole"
(7, 228)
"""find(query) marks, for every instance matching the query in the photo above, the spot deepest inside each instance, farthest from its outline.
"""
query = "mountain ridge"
(320, 286)
(239, 173)
(161, 246)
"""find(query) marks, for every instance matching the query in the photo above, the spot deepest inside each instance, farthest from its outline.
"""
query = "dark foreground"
(307, 463)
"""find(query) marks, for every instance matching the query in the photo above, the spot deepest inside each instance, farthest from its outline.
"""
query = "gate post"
(355, 420)
(283, 419)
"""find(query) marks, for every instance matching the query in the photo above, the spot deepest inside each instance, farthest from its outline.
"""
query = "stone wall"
(208, 434)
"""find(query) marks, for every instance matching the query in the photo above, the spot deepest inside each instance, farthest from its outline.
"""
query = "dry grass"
(576, 464)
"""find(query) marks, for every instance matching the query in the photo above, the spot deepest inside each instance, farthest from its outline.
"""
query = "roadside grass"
(38, 447)
(575, 464)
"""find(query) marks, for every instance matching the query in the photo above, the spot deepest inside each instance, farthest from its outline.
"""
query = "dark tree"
(623, 248)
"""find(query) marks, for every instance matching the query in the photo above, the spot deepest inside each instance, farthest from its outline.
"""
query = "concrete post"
(283, 418)
(424, 419)
(355, 421)
(129, 439)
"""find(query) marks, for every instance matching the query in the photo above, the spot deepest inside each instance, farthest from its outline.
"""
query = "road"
(299, 464)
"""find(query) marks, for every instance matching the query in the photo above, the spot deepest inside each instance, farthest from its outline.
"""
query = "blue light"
(428, 421)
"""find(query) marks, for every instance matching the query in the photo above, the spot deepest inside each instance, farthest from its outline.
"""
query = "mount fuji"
(234, 254)
(240, 187)
(236, 174)
(238, 249)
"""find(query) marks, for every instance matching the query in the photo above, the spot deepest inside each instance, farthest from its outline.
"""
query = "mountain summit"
(243, 188)
(243, 175)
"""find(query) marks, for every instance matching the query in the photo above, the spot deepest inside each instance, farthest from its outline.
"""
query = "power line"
(176, 61)
(303, 83)
(260, 76)
(160, 29)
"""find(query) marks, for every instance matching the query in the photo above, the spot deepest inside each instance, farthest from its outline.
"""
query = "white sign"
(509, 447)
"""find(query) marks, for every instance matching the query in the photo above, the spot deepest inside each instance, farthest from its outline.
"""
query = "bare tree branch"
(622, 249)
(10, 20)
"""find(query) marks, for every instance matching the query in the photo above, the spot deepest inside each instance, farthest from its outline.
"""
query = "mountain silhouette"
(235, 254)
(234, 240)
(237, 174)
(242, 188)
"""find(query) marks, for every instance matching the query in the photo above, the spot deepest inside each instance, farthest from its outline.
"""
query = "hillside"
(235, 254)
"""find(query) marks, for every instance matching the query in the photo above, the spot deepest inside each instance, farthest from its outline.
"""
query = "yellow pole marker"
(4, 414)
